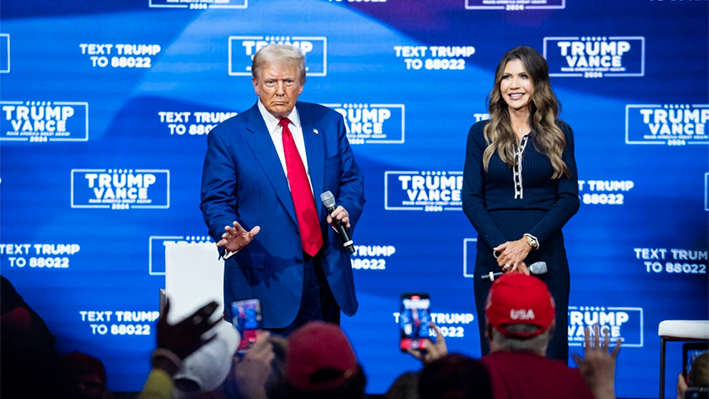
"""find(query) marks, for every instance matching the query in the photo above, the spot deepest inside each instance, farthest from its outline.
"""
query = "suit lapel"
(261, 144)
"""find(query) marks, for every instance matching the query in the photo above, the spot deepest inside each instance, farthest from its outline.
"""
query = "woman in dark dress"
(520, 185)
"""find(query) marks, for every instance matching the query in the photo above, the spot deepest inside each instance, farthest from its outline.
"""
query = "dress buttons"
(517, 178)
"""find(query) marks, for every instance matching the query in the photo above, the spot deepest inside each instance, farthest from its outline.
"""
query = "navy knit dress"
(539, 205)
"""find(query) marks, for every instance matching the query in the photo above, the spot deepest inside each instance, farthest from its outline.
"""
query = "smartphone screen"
(247, 319)
(414, 316)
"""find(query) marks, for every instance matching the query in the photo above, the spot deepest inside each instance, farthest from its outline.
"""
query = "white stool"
(679, 330)
(194, 276)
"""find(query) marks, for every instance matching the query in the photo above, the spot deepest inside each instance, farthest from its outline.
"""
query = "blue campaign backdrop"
(106, 106)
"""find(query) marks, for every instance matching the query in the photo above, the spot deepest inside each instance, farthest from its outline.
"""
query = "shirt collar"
(272, 121)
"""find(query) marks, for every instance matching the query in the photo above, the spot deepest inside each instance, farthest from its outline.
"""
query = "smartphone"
(247, 319)
(414, 317)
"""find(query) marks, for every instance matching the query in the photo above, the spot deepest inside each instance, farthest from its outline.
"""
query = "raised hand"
(598, 368)
(185, 337)
(235, 238)
(433, 351)
(252, 371)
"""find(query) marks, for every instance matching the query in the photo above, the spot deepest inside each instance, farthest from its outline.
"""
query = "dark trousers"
(317, 301)
(556, 279)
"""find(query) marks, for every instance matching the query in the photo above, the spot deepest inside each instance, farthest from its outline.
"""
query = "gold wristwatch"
(532, 241)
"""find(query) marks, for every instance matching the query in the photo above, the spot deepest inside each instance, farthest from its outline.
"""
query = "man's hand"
(252, 371)
(340, 214)
(177, 341)
(235, 238)
(512, 256)
(598, 368)
(185, 337)
(433, 351)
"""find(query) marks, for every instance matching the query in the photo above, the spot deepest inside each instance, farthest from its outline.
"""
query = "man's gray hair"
(278, 54)
(534, 344)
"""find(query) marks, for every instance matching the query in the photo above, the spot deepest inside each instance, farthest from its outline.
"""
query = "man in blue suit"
(262, 172)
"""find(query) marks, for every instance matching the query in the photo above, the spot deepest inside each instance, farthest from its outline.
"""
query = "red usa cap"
(518, 299)
(319, 357)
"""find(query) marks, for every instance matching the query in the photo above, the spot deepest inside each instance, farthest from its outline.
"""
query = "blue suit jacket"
(243, 180)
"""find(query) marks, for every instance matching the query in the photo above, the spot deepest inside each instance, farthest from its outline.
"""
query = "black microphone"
(329, 201)
(534, 268)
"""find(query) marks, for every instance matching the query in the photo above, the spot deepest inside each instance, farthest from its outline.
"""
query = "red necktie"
(310, 234)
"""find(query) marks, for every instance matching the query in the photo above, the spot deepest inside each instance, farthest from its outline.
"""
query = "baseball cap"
(207, 368)
(515, 298)
(319, 357)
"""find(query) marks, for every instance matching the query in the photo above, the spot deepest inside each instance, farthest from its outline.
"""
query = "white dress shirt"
(276, 132)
